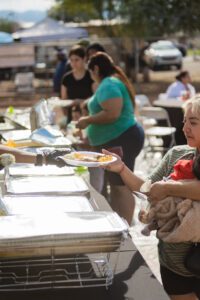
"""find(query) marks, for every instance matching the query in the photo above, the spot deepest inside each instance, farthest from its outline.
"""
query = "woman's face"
(77, 63)
(191, 128)
(186, 79)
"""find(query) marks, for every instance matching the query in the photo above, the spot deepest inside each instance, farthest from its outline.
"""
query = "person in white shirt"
(181, 87)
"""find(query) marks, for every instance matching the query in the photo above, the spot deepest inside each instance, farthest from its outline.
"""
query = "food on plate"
(89, 157)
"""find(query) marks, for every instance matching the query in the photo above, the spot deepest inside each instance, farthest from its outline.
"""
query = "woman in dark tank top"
(77, 84)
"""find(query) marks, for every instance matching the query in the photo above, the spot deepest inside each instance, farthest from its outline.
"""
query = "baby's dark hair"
(196, 166)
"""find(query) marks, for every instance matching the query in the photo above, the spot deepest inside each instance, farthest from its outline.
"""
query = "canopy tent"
(5, 38)
(49, 30)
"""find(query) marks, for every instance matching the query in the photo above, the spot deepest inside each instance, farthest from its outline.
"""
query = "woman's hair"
(193, 104)
(108, 68)
(78, 51)
(181, 75)
(196, 166)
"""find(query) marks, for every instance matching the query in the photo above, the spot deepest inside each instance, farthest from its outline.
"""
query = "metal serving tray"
(22, 170)
(60, 141)
(69, 233)
(34, 205)
(17, 135)
(46, 185)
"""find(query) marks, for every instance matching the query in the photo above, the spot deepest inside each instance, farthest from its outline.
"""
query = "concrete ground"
(146, 245)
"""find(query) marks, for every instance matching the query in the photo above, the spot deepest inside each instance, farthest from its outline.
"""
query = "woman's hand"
(84, 104)
(158, 191)
(116, 166)
(76, 102)
(83, 122)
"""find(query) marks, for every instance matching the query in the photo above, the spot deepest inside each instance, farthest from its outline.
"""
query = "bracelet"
(39, 160)
(122, 168)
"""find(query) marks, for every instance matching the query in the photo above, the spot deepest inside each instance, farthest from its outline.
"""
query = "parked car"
(182, 48)
(163, 55)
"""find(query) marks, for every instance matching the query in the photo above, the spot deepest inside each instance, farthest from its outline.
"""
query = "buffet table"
(133, 278)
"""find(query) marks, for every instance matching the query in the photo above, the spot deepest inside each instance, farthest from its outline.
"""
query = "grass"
(192, 52)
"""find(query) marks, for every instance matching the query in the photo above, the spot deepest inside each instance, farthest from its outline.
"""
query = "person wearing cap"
(181, 87)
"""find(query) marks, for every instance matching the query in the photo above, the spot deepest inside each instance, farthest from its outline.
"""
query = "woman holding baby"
(178, 282)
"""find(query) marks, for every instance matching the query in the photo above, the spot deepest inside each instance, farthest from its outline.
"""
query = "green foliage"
(85, 10)
(157, 17)
(6, 26)
(78, 11)
(146, 18)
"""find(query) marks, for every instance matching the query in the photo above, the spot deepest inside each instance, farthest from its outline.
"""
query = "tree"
(159, 17)
(70, 10)
(7, 26)
(146, 18)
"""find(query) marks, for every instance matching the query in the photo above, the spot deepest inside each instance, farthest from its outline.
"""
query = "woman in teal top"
(110, 88)
(111, 124)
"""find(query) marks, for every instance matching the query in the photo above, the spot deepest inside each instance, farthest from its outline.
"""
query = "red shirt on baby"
(183, 170)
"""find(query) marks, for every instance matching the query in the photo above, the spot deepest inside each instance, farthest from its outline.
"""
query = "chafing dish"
(69, 233)
(46, 185)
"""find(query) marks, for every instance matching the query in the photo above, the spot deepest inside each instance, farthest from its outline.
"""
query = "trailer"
(16, 58)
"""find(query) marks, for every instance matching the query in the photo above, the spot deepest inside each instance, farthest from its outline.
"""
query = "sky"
(22, 5)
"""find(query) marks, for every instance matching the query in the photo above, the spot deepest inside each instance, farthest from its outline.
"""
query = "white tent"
(49, 30)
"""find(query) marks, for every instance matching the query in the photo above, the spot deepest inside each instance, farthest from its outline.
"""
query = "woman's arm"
(132, 181)
(48, 158)
(183, 189)
(111, 110)
(94, 86)
(64, 94)
(20, 156)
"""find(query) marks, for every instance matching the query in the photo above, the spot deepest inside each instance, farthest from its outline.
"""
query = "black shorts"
(131, 142)
(175, 284)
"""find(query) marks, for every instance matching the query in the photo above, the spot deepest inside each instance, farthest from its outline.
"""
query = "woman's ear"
(96, 70)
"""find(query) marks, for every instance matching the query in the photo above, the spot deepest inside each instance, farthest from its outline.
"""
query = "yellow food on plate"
(90, 157)
(105, 158)
(78, 155)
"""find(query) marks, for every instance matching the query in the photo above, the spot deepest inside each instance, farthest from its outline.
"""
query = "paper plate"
(74, 160)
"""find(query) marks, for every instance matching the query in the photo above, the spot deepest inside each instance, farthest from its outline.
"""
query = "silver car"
(163, 55)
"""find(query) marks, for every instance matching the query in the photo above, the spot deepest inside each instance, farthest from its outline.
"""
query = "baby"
(164, 213)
